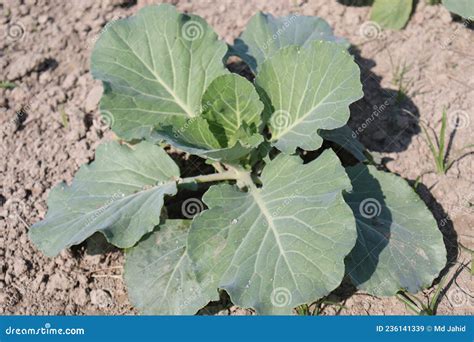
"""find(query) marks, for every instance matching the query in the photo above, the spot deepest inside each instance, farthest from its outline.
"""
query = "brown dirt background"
(49, 63)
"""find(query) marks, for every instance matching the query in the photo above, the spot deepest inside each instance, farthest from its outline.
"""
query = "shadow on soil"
(384, 120)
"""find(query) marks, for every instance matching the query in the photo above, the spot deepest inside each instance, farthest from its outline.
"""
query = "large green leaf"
(275, 247)
(464, 8)
(160, 277)
(345, 137)
(309, 89)
(266, 34)
(119, 194)
(391, 14)
(155, 66)
(399, 245)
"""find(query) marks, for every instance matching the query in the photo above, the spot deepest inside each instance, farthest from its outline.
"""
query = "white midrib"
(178, 264)
(304, 116)
(159, 79)
(255, 192)
(314, 108)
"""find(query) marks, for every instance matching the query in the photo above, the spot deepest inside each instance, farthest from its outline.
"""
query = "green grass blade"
(409, 304)
(431, 146)
(64, 117)
(442, 139)
(434, 300)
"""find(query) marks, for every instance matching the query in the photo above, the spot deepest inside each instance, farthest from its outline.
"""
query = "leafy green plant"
(391, 14)
(418, 306)
(439, 148)
(277, 232)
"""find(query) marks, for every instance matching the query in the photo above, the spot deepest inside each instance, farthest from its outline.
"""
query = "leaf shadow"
(214, 307)
(384, 120)
(445, 225)
(348, 288)
(240, 48)
(356, 3)
(373, 221)
(237, 66)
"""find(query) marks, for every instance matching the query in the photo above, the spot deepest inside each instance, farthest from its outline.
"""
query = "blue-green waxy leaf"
(309, 89)
(391, 14)
(344, 137)
(119, 194)
(399, 245)
(160, 277)
(281, 245)
(463, 8)
(155, 66)
(266, 34)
